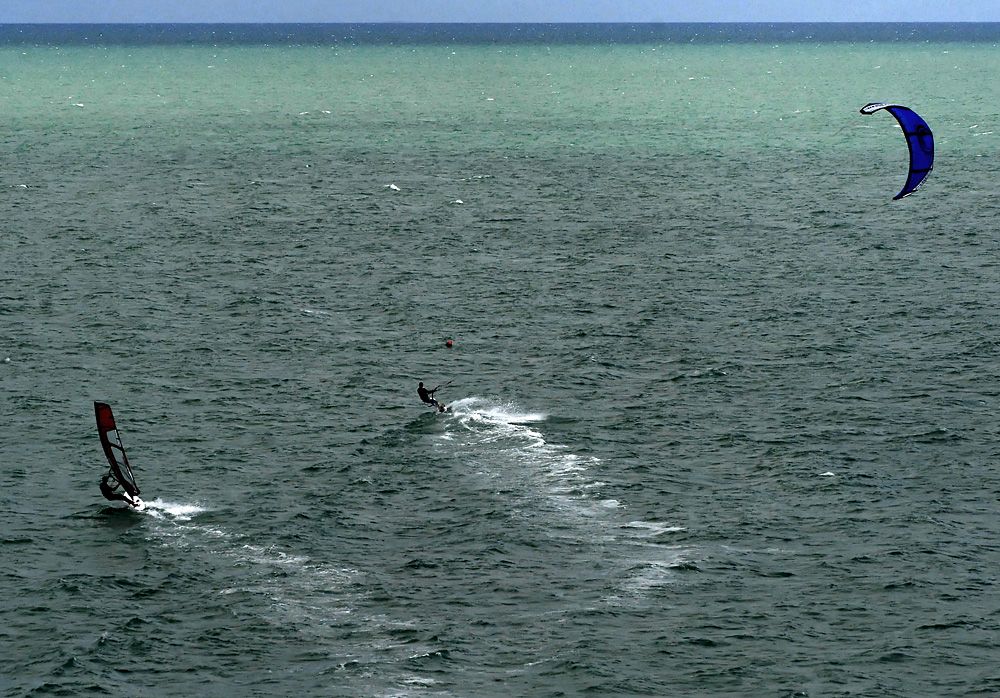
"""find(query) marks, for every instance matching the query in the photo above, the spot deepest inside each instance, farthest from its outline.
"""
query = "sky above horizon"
(154, 11)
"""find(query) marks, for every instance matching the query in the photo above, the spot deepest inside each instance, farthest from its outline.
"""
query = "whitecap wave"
(652, 529)
(179, 512)
(314, 312)
(507, 445)
(494, 411)
(647, 575)
(288, 586)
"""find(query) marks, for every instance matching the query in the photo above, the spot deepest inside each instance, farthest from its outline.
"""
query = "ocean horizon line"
(320, 33)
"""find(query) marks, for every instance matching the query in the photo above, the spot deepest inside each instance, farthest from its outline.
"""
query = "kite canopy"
(919, 140)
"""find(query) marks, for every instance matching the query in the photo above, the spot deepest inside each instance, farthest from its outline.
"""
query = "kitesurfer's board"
(114, 451)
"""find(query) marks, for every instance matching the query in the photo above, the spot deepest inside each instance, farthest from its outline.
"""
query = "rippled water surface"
(722, 416)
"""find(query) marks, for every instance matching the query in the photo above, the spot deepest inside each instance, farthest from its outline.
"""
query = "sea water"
(723, 416)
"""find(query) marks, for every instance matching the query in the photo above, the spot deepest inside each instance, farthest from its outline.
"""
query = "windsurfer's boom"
(119, 473)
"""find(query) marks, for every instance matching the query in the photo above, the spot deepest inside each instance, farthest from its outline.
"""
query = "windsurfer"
(426, 396)
(110, 494)
(120, 475)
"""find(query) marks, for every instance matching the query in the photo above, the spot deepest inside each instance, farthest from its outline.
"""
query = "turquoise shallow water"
(722, 413)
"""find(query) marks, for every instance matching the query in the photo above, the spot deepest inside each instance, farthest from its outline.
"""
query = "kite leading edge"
(919, 140)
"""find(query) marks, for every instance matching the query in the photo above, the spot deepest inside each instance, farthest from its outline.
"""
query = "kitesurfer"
(425, 396)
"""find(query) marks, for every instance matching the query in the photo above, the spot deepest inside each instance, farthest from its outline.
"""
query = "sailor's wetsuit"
(425, 396)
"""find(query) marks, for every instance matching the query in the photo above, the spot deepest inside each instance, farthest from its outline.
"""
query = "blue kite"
(919, 140)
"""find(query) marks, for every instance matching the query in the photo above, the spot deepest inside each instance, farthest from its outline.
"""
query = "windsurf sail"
(111, 442)
(919, 140)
